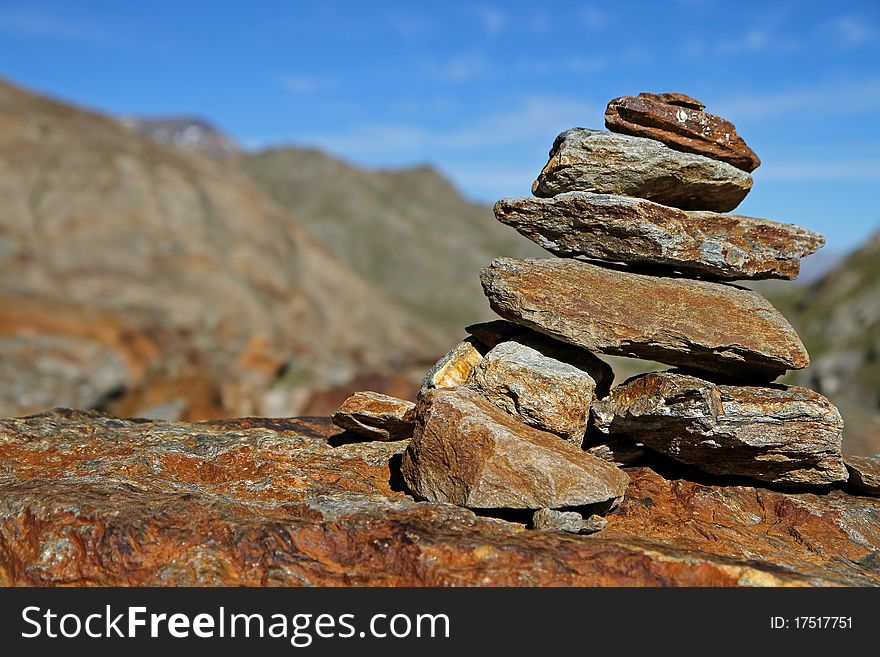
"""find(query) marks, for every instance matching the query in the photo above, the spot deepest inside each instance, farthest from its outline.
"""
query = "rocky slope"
(87, 499)
(131, 267)
(839, 318)
(407, 231)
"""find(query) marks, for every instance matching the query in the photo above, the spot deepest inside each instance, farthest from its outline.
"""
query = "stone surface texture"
(255, 502)
(864, 473)
(466, 451)
(583, 160)
(708, 326)
(778, 434)
(673, 98)
(680, 127)
(376, 416)
(454, 367)
(567, 521)
(649, 235)
(538, 390)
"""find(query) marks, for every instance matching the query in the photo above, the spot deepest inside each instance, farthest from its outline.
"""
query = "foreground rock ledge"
(709, 326)
(650, 235)
(607, 163)
(468, 452)
(87, 499)
(778, 434)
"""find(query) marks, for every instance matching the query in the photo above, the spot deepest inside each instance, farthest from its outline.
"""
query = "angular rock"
(864, 473)
(454, 368)
(650, 235)
(583, 160)
(467, 451)
(376, 416)
(778, 434)
(708, 326)
(87, 499)
(680, 127)
(551, 520)
(538, 390)
(673, 98)
(497, 331)
(618, 451)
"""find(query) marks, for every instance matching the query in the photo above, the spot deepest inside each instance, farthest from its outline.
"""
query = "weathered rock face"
(649, 235)
(567, 521)
(673, 98)
(538, 390)
(376, 416)
(699, 324)
(684, 128)
(454, 368)
(607, 163)
(467, 451)
(779, 434)
(864, 473)
(87, 499)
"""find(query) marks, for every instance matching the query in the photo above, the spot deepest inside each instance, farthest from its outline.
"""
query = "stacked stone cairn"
(521, 414)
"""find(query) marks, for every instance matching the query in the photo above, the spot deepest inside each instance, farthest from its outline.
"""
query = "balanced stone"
(680, 127)
(708, 326)
(467, 451)
(454, 367)
(376, 416)
(650, 235)
(778, 434)
(539, 390)
(608, 163)
(864, 473)
(673, 98)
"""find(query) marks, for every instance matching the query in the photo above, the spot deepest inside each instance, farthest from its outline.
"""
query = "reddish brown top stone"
(682, 128)
(672, 98)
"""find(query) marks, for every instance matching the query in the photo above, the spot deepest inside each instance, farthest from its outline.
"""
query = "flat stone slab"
(469, 452)
(679, 126)
(583, 160)
(376, 416)
(718, 328)
(864, 473)
(778, 434)
(650, 235)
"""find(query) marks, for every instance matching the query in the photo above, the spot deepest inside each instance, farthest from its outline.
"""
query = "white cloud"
(757, 40)
(841, 99)
(306, 85)
(538, 117)
(462, 68)
(28, 22)
(593, 17)
(853, 30)
(494, 20)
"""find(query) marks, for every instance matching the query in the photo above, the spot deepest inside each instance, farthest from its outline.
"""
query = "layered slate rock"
(540, 391)
(454, 367)
(467, 451)
(553, 520)
(376, 416)
(684, 128)
(673, 98)
(864, 473)
(583, 160)
(258, 502)
(708, 326)
(650, 235)
(777, 434)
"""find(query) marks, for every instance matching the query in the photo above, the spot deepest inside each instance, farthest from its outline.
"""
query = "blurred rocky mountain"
(151, 280)
(186, 132)
(838, 317)
(407, 231)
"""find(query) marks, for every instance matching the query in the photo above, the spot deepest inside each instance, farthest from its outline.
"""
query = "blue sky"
(481, 89)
